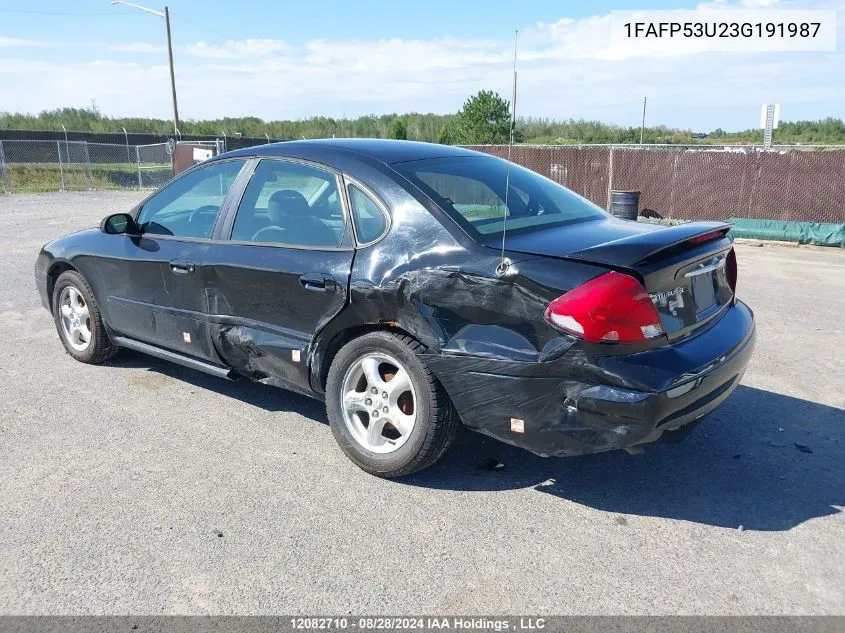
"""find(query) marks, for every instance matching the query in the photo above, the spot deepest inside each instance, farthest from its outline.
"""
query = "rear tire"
(387, 411)
(78, 320)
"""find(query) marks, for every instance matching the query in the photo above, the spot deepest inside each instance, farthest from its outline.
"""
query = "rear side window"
(472, 191)
(188, 207)
(292, 204)
(370, 222)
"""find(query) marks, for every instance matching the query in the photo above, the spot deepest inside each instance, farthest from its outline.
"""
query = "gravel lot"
(141, 487)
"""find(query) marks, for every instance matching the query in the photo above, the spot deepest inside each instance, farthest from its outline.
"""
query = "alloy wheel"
(75, 319)
(379, 403)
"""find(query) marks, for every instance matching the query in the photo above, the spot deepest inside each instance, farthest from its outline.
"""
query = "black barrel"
(625, 204)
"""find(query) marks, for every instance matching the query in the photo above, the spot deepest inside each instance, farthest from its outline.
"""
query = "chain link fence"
(689, 182)
(47, 165)
(699, 182)
(154, 164)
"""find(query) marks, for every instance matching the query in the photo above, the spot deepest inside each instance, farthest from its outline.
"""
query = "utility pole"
(126, 136)
(172, 73)
(642, 125)
(166, 15)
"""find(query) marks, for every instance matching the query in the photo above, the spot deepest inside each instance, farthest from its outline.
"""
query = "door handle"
(181, 267)
(318, 282)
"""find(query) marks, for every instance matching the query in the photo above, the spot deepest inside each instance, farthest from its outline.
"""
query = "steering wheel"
(207, 209)
(269, 234)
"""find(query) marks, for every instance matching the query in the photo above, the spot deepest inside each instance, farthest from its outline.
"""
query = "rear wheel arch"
(434, 422)
(328, 350)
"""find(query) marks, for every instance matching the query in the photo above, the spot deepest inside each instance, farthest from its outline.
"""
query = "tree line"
(483, 119)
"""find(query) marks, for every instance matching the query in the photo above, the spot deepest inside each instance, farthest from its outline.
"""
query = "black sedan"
(414, 287)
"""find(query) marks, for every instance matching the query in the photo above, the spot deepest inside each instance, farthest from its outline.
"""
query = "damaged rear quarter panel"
(484, 333)
(429, 279)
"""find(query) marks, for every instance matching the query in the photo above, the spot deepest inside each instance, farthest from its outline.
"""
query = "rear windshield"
(472, 191)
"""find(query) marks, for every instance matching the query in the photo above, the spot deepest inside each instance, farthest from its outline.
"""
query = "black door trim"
(174, 357)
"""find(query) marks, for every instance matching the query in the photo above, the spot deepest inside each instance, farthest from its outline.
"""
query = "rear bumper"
(577, 405)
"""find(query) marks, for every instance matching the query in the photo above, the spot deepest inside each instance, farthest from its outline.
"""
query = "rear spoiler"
(642, 247)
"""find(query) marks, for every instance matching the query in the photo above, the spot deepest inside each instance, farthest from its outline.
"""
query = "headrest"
(289, 203)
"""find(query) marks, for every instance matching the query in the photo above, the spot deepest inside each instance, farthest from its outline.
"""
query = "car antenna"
(504, 264)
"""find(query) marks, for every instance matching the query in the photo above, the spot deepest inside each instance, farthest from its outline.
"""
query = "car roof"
(383, 150)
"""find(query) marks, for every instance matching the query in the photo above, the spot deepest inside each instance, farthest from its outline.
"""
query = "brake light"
(730, 270)
(705, 237)
(613, 308)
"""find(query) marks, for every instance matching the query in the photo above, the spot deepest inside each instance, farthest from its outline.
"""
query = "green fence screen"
(821, 233)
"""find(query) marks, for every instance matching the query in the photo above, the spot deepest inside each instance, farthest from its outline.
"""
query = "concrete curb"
(749, 241)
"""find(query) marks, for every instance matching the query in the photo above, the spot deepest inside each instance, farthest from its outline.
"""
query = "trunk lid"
(684, 268)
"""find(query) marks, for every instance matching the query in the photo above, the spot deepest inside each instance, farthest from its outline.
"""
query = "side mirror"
(117, 224)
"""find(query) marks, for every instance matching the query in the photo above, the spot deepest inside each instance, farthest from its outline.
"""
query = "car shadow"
(763, 461)
(258, 395)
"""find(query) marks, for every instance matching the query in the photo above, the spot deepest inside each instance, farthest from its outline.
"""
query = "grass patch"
(35, 177)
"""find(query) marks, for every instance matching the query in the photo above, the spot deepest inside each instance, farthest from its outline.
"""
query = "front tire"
(386, 409)
(78, 320)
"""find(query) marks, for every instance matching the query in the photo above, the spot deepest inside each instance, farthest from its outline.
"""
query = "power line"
(202, 26)
(27, 11)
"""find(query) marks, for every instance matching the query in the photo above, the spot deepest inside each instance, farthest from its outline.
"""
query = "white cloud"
(754, 4)
(567, 68)
(742, 4)
(236, 49)
(14, 42)
(138, 47)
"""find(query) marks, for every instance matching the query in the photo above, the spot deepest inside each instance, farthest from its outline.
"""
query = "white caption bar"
(739, 30)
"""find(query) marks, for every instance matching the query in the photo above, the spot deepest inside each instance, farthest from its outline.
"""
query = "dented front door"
(155, 291)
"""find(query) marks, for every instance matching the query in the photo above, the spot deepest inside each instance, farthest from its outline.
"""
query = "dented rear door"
(267, 303)
(281, 272)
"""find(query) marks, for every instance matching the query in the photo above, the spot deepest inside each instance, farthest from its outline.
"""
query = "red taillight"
(613, 308)
(730, 270)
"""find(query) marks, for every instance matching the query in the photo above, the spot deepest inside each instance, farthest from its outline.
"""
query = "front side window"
(472, 191)
(291, 204)
(188, 207)
(370, 222)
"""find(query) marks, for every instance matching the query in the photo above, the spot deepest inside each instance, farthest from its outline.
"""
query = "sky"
(292, 59)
